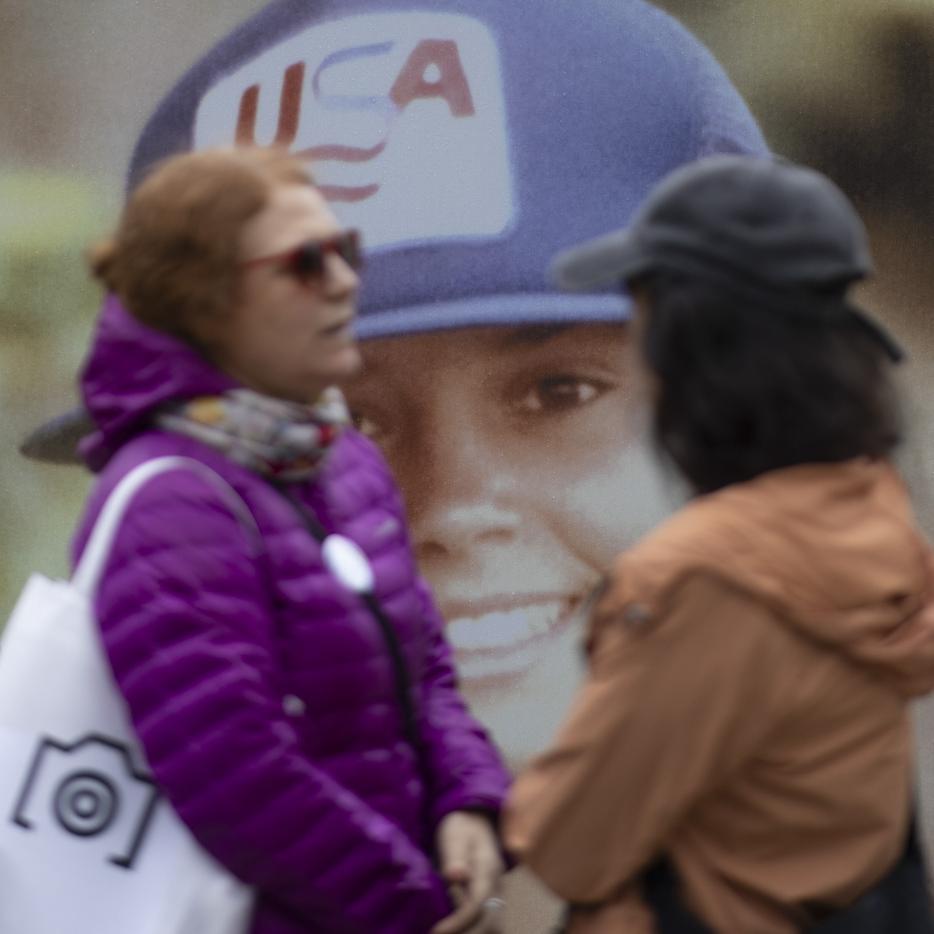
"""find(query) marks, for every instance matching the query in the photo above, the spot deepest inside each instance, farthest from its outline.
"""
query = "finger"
(458, 893)
(460, 920)
(456, 870)
(472, 908)
(455, 922)
(469, 911)
(491, 921)
(475, 865)
(455, 861)
(485, 874)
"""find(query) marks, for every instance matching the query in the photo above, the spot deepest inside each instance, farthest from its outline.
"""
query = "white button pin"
(347, 562)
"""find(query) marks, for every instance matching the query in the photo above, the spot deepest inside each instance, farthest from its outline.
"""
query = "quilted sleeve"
(463, 767)
(466, 770)
(185, 623)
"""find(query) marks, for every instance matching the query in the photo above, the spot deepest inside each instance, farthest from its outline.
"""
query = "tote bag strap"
(87, 574)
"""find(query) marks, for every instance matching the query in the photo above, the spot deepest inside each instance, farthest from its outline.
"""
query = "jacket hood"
(832, 547)
(130, 372)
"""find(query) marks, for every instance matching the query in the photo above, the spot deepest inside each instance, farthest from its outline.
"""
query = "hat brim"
(517, 310)
(56, 441)
(893, 349)
(600, 263)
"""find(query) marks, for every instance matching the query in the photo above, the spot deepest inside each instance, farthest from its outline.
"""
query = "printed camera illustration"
(89, 790)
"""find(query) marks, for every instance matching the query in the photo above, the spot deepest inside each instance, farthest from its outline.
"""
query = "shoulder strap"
(91, 566)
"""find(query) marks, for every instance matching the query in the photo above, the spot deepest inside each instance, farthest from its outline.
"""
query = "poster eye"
(560, 393)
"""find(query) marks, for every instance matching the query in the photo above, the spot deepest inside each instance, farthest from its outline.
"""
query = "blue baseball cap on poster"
(468, 139)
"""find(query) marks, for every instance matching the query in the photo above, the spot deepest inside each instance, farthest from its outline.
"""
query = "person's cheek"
(615, 489)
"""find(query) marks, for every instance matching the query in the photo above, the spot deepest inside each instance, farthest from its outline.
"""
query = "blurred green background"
(77, 82)
(847, 85)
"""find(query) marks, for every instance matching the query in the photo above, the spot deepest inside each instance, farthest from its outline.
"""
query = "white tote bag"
(87, 843)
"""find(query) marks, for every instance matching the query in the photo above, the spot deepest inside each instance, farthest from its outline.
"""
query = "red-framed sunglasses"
(307, 260)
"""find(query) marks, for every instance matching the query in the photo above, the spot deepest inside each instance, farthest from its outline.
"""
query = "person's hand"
(472, 867)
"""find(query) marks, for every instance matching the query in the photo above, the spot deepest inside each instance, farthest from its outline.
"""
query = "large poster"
(469, 140)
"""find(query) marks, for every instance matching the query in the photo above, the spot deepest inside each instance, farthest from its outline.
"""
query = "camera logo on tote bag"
(88, 789)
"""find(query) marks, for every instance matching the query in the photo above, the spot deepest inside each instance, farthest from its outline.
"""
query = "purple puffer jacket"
(261, 689)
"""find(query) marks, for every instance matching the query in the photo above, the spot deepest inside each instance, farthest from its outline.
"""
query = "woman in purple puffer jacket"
(316, 745)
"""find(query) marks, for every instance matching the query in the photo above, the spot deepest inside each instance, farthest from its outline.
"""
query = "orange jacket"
(746, 708)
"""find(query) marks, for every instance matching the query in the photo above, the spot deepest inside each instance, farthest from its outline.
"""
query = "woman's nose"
(340, 280)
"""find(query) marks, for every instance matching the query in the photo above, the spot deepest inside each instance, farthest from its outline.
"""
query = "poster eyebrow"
(533, 335)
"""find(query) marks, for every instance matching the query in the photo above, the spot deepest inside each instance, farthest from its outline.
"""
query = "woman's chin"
(523, 708)
(345, 365)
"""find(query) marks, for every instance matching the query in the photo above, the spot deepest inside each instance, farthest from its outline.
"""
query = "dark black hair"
(742, 389)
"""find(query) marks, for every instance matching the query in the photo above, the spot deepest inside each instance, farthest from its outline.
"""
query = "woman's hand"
(472, 867)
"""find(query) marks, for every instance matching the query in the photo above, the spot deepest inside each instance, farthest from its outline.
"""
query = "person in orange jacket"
(739, 759)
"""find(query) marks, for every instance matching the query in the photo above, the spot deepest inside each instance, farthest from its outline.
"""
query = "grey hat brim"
(599, 263)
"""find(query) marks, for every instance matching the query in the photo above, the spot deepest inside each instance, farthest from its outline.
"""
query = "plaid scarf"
(273, 437)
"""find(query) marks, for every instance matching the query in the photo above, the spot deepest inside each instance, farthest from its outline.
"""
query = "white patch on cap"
(402, 115)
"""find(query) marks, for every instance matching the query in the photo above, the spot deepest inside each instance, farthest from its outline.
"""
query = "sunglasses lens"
(307, 262)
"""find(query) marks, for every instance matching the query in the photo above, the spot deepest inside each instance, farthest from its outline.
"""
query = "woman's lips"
(340, 329)
(499, 640)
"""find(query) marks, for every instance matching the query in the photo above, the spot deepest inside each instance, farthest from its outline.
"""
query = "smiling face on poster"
(470, 142)
(521, 451)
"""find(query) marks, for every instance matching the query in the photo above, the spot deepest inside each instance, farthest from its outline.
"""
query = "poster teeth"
(503, 629)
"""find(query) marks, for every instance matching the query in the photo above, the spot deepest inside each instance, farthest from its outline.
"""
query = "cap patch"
(402, 115)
